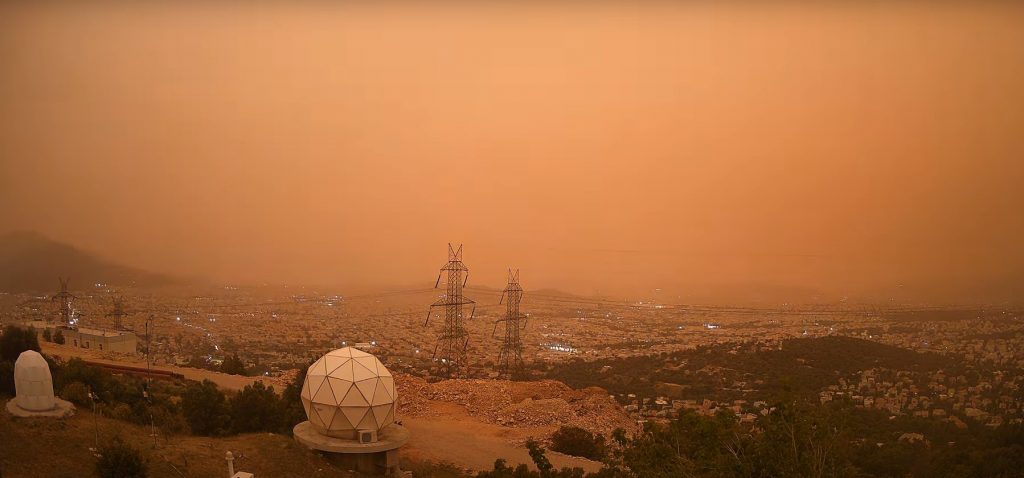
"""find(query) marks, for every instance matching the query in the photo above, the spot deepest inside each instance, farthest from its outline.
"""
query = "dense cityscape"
(974, 355)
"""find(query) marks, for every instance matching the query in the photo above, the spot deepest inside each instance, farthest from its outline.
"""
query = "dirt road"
(223, 380)
(454, 437)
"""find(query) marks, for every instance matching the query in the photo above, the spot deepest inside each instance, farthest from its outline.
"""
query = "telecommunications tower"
(510, 358)
(451, 345)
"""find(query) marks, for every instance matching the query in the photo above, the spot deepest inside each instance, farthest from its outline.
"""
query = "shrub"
(76, 370)
(120, 460)
(121, 411)
(102, 383)
(540, 460)
(291, 402)
(429, 469)
(233, 365)
(7, 378)
(58, 337)
(76, 392)
(16, 340)
(206, 409)
(502, 470)
(256, 409)
(578, 442)
(171, 422)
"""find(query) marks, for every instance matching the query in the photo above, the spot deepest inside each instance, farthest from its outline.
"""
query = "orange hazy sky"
(844, 149)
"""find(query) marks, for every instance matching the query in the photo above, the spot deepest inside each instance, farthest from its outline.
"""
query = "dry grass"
(60, 448)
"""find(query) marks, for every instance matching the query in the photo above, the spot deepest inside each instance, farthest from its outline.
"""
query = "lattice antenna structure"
(64, 300)
(453, 340)
(510, 358)
(118, 313)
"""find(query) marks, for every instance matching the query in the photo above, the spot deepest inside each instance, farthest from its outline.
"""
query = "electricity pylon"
(118, 313)
(64, 298)
(510, 358)
(453, 340)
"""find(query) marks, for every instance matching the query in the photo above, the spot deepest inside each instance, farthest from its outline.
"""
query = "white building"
(105, 340)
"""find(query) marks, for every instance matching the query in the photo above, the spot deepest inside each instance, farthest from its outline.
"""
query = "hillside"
(801, 366)
(467, 423)
(30, 262)
(34, 456)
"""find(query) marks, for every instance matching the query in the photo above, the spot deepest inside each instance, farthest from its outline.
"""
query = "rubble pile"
(517, 404)
(412, 395)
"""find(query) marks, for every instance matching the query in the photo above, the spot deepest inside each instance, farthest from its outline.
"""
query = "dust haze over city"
(729, 215)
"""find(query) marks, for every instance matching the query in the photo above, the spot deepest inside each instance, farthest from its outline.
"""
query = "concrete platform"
(390, 438)
(379, 458)
(63, 409)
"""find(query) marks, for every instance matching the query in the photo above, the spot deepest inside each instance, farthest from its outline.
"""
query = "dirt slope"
(60, 448)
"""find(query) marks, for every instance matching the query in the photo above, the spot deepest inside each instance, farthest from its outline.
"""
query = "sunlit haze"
(728, 153)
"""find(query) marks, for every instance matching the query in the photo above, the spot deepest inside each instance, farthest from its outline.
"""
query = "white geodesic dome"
(33, 384)
(348, 390)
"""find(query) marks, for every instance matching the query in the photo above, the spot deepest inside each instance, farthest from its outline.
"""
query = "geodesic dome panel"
(33, 384)
(348, 390)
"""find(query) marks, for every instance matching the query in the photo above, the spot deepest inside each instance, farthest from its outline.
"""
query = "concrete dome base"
(62, 409)
(379, 458)
(389, 438)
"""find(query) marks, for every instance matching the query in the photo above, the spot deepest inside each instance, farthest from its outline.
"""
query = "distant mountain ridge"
(31, 262)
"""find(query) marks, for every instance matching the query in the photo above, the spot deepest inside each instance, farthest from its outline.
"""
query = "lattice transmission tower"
(453, 340)
(118, 313)
(64, 300)
(510, 358)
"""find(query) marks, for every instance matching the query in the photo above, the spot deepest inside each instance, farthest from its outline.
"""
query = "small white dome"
(348, 390)
(33, 383)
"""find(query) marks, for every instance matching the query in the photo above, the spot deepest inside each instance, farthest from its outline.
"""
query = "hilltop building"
(105, 340)
(119, 341)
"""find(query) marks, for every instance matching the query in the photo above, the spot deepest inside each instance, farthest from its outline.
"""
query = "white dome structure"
(347, 391)
(32, 383)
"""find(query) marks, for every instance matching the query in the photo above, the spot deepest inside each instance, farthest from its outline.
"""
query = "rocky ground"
(532, 405)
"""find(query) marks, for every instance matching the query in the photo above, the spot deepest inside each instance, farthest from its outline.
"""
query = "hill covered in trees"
(726, 372)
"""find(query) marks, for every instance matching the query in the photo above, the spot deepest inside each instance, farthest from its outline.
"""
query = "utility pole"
(453, 339)
(148, 383)
(95, 419)
(64, 298)
(510, 358)
(149, 363)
